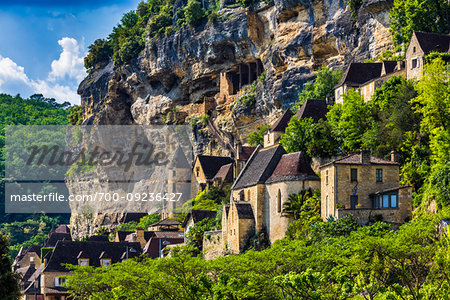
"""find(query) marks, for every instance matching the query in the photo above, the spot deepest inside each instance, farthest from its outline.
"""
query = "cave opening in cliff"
(244, 74)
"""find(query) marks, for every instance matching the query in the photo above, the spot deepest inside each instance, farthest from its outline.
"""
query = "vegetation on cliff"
(404, 116)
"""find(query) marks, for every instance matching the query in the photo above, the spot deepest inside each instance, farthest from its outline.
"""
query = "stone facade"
(29, 258)
(275, 221)
(415, 59)
(213, 245)
(49, 282)
(354, 182)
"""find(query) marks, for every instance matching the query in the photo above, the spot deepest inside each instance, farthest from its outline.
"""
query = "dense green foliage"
(257, 137)
(408, 117)
(76, 115)
(321, 88)
(336, 260)
(418, 15)
(9, 288)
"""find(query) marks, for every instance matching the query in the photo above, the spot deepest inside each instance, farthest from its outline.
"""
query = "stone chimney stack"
(140, 236)
(394, 156)
(365, 156)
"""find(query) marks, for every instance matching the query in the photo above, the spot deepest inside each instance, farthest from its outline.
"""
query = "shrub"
(99, 53)
(194, 13)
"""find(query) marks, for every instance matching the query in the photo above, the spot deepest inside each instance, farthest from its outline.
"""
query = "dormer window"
(83, 261)
(414, 49)
(105, 262)
(59, 281)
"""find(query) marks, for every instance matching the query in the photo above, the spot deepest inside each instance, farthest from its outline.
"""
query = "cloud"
(61, 83)
(70, 62)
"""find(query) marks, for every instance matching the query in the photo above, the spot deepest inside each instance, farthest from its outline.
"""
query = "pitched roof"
(212, 164)
(98, 238)
(167, 222)
(316, 109)
(132, 217)
(66, 252)
(198, 215)
(133, 238)
(259, 168)
(389, 66)
(355, 159)
(282, 122)
(246, 152)
(179, 160)
(433, 42)
(390, 190)
(293, 166)
(359, 73)
(26, 272)
(244, 210)
(34, 248)
(155, 244)
(54, 237)
(122, 234)
(225, 173)
(63, 229)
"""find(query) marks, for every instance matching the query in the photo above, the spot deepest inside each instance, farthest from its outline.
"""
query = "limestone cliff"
(195, 72)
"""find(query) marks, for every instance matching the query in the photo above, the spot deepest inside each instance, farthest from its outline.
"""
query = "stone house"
(160, 240)
(205, 168)
(46, 282)
(25, 257)
(366, 77)
(366, 187)
(165, 225)
(421, 44)
(194, 216)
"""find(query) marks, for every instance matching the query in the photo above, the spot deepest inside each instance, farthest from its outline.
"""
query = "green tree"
(76, 115)
(297, 135)
(194, 13)
(9, 287)
(321, 88)
(257, 137)
(99, 53)
(407, 16)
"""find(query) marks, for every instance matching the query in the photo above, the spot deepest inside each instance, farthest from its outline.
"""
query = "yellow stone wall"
(276, 223)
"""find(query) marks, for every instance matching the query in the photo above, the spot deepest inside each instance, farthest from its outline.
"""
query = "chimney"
(394, 156)
(140, 236)
(365, 156)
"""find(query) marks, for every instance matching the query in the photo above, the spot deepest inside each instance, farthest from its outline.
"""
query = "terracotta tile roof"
(212, 164)
(54, 237)
(244, 210)
(316, 109)
(67, 252)
(63, 229)
(198, 215)
(225, 173)
(293, 166)
(282, 122)
(355, 159)
(132, 217)
(433, 42)
(259, 168)
(246, 152)
(359, 73)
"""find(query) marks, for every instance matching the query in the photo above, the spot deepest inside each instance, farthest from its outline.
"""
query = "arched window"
(279, 201)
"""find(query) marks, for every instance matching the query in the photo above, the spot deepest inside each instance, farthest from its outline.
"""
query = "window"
(279, 201)
(326, 177)
(59, 281)
(394, 202)
(385, 201)
(197, 171)
(106, 262)
(414, 49)
(354, 174)
(83, 261)
(414, 63)
(326, 207)
(379, 175)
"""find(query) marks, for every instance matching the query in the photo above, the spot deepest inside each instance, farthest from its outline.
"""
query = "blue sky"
(43, 42)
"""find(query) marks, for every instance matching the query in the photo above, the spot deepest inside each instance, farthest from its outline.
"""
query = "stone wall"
(410, 55)
(390, 215)
(213, 244)
(275, 222)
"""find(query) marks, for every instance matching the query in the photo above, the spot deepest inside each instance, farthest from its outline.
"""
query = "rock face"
(178, 77)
